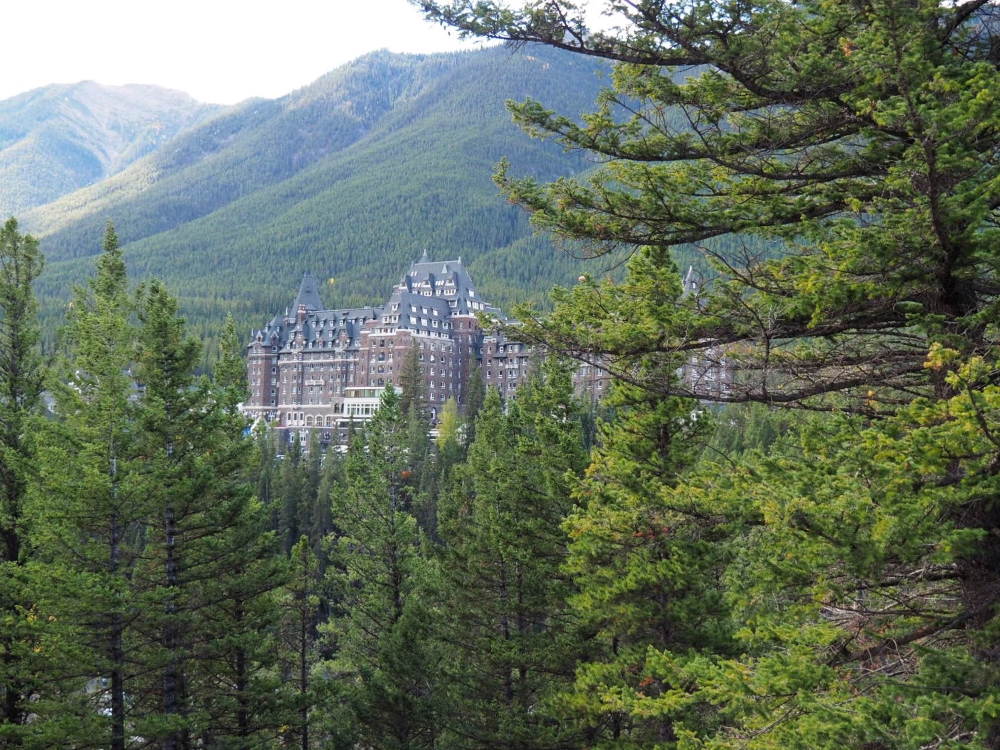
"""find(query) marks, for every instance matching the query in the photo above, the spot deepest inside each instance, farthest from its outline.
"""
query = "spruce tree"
(230, 370)
(645, 566)
(411, 384)
(291, 496)
(88, 512)
(475, 396)
(300, 610)
(508, 636)
(206, 568)
(21, 378)
(379, 579)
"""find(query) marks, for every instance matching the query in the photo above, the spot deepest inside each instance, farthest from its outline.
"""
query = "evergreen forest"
(810, 560)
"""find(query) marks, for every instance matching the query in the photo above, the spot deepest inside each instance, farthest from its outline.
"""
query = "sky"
(218, 51)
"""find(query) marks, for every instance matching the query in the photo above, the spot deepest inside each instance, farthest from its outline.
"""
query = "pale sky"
(219, 51)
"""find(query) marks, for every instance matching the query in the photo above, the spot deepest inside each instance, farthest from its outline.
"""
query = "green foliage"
(156, 612)
(392, 152)
(832, 588)
(814, 140)
(300, 605)
(856, 623)
(64, 137)
(87, 512)
(646, 567)
(449, 424)
(740, 428)
(508, 640)
(380, 579)
(21, 377)
(231, 371)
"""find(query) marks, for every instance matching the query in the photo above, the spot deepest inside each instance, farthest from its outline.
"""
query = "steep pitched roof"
(308, 295)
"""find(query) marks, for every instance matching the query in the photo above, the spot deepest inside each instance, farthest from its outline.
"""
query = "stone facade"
(314, 369)
(318, 369)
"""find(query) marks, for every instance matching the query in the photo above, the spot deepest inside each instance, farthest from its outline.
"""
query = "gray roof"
(442, 286)
(320, 329)
(439, 279)
(308, 294)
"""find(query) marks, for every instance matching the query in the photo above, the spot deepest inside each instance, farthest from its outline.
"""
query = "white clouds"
(216, 50)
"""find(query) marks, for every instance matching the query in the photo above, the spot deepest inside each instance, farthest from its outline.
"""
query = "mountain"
(63, 137)
(350, 178)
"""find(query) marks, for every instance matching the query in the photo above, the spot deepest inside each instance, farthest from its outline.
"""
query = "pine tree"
(291, 495)
(311, 467)
(300, 609)
(476, 395)
(88, 509)
(330, 484)
(833, 163)
(379, 580)
(21, 377)
(510, 644)
(206, 568)
(646, 567)
(411, 384)
(789, 160)
(230, 370)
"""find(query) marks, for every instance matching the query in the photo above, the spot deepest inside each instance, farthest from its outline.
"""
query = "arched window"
(309, 421)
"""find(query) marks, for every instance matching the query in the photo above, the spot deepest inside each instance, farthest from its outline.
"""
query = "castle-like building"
(314, 369)
(318, 369)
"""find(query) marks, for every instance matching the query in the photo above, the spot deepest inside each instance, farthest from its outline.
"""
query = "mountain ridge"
(59, 138)
(351, 178)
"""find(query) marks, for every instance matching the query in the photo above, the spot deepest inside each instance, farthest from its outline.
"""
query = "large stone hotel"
(314, 369)
(318, 369)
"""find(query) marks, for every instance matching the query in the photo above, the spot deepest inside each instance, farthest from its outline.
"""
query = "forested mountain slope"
(59, 138)
(350, 178)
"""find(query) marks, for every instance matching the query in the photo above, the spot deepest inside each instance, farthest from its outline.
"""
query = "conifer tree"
(311, 467)
(509, 641)
(21, 377)
(206, 565)
(789, 160)
(379, 579)
(645, 566)
(291, 495)
(88, 510)
(230, 370)
(330, 484)
(419, 471)
(300, 608)
(475, 396)
(411, 383)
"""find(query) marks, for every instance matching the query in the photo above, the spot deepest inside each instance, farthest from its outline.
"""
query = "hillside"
(349, 178)
(63, 137)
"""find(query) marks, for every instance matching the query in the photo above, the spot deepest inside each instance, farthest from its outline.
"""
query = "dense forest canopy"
(658, 573)
(861, 135)
(350, 178)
